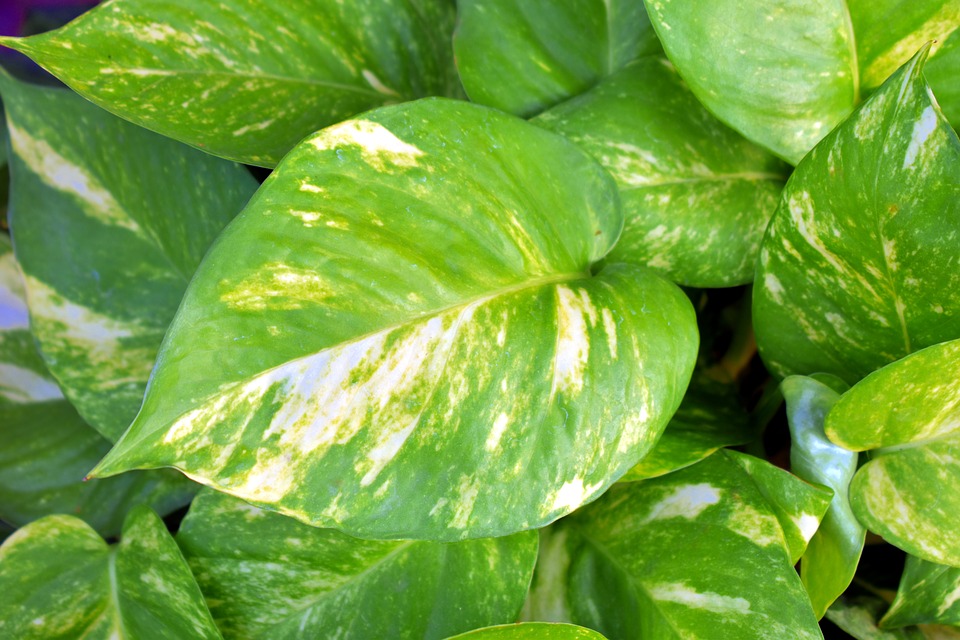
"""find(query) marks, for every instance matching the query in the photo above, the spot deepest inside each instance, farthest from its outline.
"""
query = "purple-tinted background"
(14, 13)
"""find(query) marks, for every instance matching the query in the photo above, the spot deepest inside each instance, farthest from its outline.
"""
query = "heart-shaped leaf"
(698, 553)
(831, 558)
(858, 267)
(268, 576)
(247, 79)
(415, 349)
(928, 593)
(908, 413)
(107, 244)
(48, 448)
(531, 631)
(523, 56)
(696, 195)
(61, 580)
(781, 74)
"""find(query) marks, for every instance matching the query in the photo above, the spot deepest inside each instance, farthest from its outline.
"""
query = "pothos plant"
(482, 346)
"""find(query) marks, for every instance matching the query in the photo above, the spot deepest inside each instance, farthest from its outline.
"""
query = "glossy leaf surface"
(106, 245)
(696, 195)
(61, 580)
(782, 73)
(523, 56)
(699, 553)
(248, 79)
(928, 593)
(857, 267)
(531, 631)
(431, 345)
(908, 413)
(710, 417)
(829, 563)
(268, 576)
(48, 448)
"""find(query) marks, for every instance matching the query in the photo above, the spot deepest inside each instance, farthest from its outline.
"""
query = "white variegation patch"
(922, 129)
(575, 312)
(682, 594)
(807, 524)
(378, 145)
(688, 501)
(280, 286)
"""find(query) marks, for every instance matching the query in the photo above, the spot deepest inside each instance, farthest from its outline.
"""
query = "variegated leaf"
(889, 32)
(710, 417)
(532, 631)
(696, 195)
(59, 579)
(109, 222)
(928, 593)
(523, 56)
(831, 558)
(908, 415)
(782, 73)
(943, 74)
(699, 553)
(416, 349)
(47, 448)
(247, 79)
(270, 577)
(858, 617)
(859, 264)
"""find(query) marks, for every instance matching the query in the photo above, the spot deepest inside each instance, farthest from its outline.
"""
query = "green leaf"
(889, 32)
(907, 413)
(928, 592)
(432, 359)
(783, 74)
(710, 417)
(47, 448)
(109, 222)
(943, 74)
(61, 580)
(268, 576)
(699, 553)
(696, 195)
(523, 56)
(855, 269)
(831, 559)
(532, 631)
(247, 79)
(858, 617)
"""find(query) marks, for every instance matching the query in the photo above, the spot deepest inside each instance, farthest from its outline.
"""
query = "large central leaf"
(399, 337)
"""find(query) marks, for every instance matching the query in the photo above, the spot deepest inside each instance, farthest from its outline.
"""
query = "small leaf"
(857, 266)
(909, 414)
(415, 349)
(928, 593)
(61, 580)
(831, 559)
(858, 617)
(48, 448)
(888, 32)
(783, 74)
(531, 631)
(523, 56)
(710, 417)
(696, 195)
(109, 222)
(268, 576)
(247, 79)
(698, 553)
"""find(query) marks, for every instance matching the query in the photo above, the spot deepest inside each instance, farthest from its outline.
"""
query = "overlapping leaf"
(415, 348)
(710, 417)
(106, 243)
(248, 79)
(271, 577)
(908, 414)
(523, 56)
(696, 195)
(831, 558)
(942, 74)
(858, 617)
(59, 579)
(699, 553)
(857, 266)
(47, 448)
(532, 631)
(928, 593)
